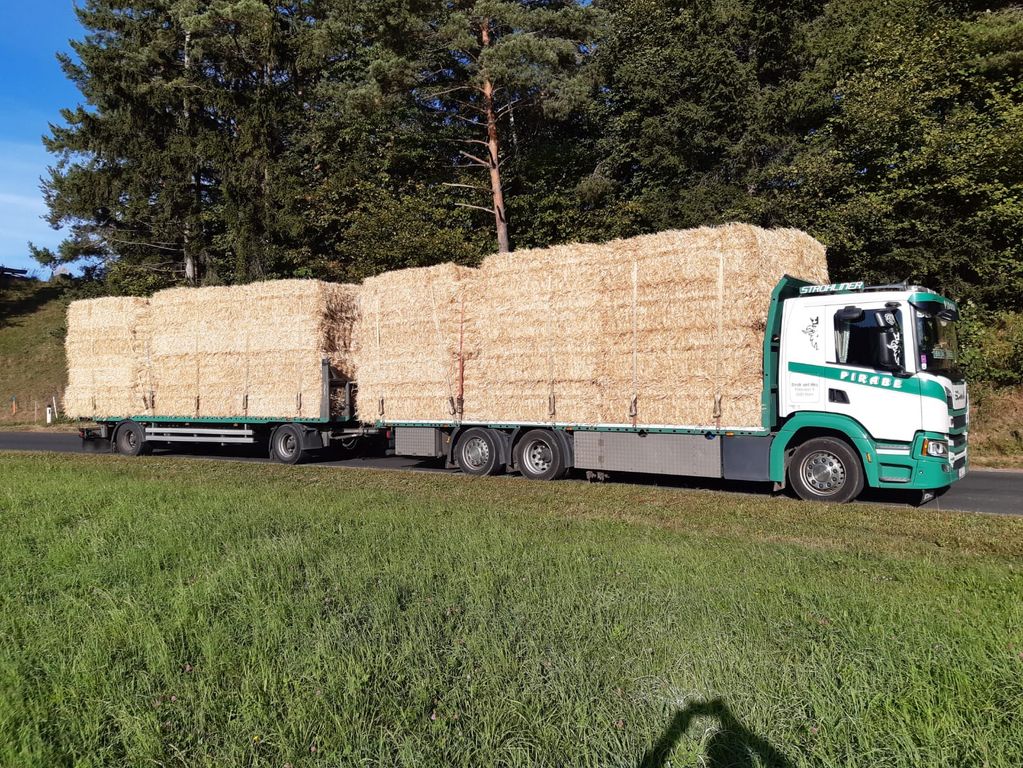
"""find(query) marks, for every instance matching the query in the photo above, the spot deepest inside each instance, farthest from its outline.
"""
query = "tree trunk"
(493, 146)
(188, 246)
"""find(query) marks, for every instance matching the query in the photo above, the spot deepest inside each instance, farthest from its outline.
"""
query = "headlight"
(938, 448)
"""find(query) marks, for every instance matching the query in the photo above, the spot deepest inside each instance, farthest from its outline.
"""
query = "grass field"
(175, 612)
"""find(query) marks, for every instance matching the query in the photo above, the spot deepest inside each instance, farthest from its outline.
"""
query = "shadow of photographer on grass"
(733, 745)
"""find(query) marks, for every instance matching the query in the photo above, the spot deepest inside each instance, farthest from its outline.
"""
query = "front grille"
(959, 464)
(958, 422)
(956, 442)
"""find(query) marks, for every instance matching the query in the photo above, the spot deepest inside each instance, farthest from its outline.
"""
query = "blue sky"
(32, 92)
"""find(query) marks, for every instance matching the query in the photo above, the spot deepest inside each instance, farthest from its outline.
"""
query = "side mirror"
(849, 315)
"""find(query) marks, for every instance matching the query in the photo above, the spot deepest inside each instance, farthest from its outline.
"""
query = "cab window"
(857, 342)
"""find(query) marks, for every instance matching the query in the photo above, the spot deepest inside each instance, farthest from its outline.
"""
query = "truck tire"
(826, 469)
(130, 439)
(540, 455)
(478, 452)
(286, 444)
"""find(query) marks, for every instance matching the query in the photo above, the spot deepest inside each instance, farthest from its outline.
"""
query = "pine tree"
(252, 85)
(485, 61)
(123, 182)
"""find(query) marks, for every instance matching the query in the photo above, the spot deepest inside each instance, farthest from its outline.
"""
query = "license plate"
(962, 472)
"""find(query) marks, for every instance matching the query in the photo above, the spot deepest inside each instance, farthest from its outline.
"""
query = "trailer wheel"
(539, 455)
(478, 452)
(131, 439)
(286, 445)
(826, 469)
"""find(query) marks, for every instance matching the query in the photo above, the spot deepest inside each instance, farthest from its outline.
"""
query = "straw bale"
(252, 350)
(685, 313)
(107, 351)
(407, 341)
(533, 320)
(672, 322)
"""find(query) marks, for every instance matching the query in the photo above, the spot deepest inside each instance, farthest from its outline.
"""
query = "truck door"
(857, 385)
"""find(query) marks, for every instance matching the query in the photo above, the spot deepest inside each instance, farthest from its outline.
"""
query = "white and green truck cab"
(866, 376)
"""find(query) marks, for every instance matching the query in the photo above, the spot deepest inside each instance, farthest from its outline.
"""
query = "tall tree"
(177, 167)
(687, 110)
(253, 83)
(484, 61)
(122, 182)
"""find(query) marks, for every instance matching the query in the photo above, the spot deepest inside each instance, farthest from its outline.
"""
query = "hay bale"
(651, 330)
(107, 352)
(251, 350)
(407, 343)
(534, 319)
(684, 316)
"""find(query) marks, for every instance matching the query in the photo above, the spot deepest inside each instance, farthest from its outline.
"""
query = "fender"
(567, 446)
(836, 422)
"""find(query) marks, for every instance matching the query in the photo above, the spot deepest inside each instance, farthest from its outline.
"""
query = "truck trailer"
(861, 388)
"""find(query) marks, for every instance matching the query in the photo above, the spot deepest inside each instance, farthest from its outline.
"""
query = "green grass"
(174, 612)
(32, 368)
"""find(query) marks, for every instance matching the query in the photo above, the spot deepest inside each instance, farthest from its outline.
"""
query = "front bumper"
(898, 467)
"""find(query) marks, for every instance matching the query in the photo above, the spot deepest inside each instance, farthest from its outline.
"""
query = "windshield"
(938, 345)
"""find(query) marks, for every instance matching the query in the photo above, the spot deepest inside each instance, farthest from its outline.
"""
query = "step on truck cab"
(861, 388)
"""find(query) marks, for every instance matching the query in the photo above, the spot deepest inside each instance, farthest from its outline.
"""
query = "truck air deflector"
(787, 288)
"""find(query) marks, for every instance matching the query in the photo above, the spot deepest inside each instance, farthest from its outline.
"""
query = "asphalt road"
(990, 491)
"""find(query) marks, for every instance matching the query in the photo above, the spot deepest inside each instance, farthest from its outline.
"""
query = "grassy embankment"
(996, 430)
(32, 368)
(168, 612)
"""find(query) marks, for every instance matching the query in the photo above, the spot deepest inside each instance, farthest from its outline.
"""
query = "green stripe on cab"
(909, 386)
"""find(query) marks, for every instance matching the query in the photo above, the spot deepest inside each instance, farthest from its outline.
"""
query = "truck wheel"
(539, 455)
(286, 444)
(826, 469)
(131, 439)
(478, 452)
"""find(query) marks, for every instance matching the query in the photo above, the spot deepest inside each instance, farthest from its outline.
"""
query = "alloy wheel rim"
(538, 457)
(476, 452)
(823, 473)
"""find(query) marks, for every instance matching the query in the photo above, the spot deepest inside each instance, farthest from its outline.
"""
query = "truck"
(861, 389)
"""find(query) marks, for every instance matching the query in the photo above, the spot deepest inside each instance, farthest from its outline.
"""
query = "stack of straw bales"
(252, 350)
(663, 329)
(107, 348)
(683, 319)
(408, 343)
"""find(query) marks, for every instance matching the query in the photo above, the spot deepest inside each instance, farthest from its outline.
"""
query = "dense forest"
(223, 141)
